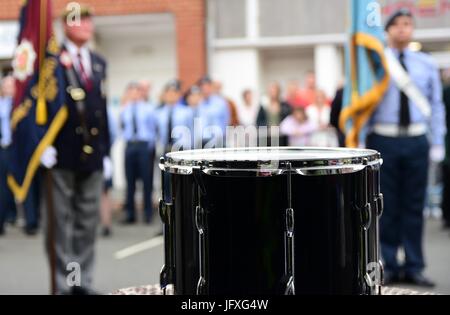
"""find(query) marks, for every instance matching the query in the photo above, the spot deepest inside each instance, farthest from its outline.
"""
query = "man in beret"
(76, 160)
(400, 128)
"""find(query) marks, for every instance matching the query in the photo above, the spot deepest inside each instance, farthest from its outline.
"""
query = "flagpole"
(41, 119)
(51, 229)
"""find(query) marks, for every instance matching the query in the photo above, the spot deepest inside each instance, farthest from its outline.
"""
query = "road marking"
(139, 248)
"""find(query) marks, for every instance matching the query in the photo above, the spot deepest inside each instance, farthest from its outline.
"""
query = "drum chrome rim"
(357, 160)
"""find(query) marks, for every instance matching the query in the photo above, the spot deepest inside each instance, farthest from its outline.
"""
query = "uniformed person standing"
(446, 166)
(400, 126)
(7, 204)
(77, 158)
(139, 125)
(172, 114)
(214, 113)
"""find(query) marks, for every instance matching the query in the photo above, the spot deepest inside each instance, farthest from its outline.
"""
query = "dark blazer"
(446, 99)
(69, 142)
(262, 121)
(336, 108)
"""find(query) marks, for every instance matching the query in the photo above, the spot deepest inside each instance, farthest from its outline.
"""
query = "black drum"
(271, 221)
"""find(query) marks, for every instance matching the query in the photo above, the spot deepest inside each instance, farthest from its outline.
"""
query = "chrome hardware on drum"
(271, 221)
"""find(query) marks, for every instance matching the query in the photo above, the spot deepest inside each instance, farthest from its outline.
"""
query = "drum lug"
(168, 270)
(290, 287)
(199, 220)
(369, 282)
(290, 222)
(380, 286)
(165, 211)
(201, 286)
(366, 216)
(380, 205)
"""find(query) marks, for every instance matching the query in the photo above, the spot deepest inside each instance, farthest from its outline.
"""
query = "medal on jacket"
(77, 94)
(88, 150)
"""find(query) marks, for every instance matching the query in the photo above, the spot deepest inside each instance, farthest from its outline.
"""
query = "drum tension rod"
(200, 222)
(289, 235)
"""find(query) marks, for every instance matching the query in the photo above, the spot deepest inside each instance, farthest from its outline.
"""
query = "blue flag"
(367, 78)
(39, 110)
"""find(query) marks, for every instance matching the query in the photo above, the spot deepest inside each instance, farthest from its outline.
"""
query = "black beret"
(205, 80)
(401, 12)
(173, 85)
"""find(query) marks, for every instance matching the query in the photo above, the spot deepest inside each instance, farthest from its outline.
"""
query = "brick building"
(243, 43)
(156, 39)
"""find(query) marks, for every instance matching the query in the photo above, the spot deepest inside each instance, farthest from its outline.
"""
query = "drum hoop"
(266, 169)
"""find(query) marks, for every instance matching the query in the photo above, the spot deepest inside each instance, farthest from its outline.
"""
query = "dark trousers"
(7, 203)
(404, 176)
(139, 162)
(32, 203)
(446, 193)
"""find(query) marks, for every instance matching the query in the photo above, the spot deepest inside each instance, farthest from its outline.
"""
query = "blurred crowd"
(300, 115)
(303, 113)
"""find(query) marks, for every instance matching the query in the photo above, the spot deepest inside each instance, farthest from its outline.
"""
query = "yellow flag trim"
(21, 191)
(41, 106)
(363, 106)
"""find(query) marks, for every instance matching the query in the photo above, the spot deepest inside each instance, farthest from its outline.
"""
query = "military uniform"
(6, 198)
(81, 147)
(446, 166)
(403, 134)
(139, 125)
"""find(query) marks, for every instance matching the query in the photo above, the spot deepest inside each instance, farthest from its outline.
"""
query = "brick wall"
(189, 17)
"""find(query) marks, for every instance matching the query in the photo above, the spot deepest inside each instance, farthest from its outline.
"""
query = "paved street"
(23, 269)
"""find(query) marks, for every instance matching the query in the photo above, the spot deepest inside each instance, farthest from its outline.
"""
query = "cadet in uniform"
(139, 123)
(77, 158)
(214, 112)
(7, 204)
(172, 114)
(399, 131)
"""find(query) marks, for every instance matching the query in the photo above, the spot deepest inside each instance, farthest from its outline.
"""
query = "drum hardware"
(379, 201)
(289, 236)
(166, 211)
(380, 285)
(167, 272)
(366, 221)
(379, 206)
(200, 224)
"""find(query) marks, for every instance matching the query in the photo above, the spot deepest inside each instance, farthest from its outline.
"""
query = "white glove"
(49, 158)
(107, 168)
(437, 153)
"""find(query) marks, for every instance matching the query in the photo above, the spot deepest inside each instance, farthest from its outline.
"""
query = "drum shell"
(245, 233)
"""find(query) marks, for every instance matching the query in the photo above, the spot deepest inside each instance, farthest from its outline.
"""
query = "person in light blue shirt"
(106, 202)
(424, 73)
(139, 130)
(7, 204)
(213, 112)
(404, 136)
(175, 120)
